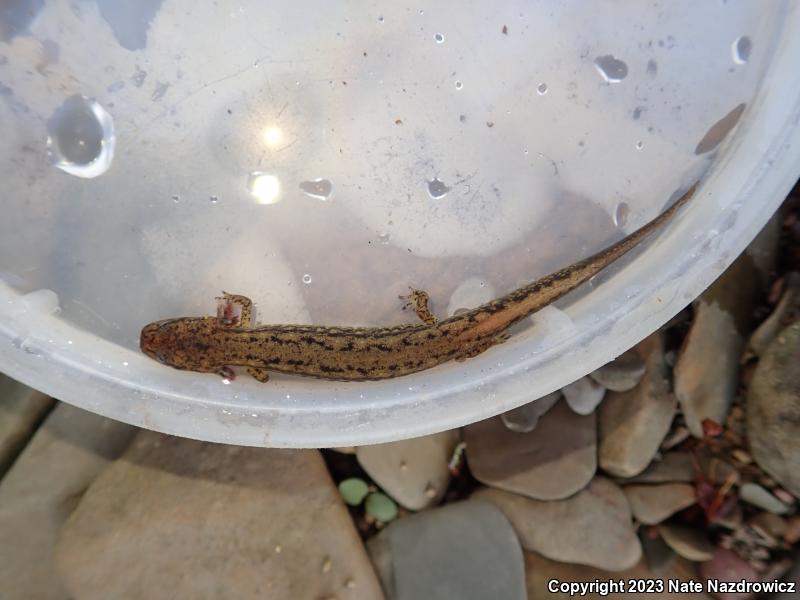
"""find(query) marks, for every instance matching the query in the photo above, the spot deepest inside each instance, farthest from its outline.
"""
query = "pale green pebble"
(353, 490)
(381, 507)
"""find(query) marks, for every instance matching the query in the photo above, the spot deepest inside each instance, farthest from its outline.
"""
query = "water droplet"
(459, 85)
(214, 199)
(226, 381)
(124, 363)
(28, 347)
(525, 151)
(639, 145)
(380, 19)
(384, 238)
(439, 37)
(541, 89)
(421, 12)
(306, 278)
(320, 189)
(621, 214)
(176, 198)
(612, 69)
(740, 50)
(264, 187)
(437, 189)
(81, 138)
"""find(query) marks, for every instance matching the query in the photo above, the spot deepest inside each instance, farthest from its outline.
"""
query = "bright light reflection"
(265, 188)
(272, 136)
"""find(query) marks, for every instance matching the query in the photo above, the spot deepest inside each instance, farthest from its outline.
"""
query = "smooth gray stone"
(466, 550)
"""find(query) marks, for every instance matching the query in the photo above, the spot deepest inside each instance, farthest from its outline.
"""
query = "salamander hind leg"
(234, 310)
(418, 300)
(259, 374)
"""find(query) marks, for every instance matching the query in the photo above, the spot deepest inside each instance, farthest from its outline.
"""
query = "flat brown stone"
(553, 461)
(206, 520)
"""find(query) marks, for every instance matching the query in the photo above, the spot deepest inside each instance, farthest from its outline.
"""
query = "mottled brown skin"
(213, 344)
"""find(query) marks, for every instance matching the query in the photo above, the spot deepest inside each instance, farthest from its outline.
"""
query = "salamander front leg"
(234, 310)
(418, 300)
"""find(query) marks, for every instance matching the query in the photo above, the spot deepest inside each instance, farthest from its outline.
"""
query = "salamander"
(215, 344)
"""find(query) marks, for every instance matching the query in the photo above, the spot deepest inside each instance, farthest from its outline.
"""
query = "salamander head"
(180, 343)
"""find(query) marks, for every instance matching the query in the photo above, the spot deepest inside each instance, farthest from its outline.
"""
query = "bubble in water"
(541, 89)
(214, 199)
(383, 238)
(439, 37)
(621, 214)
(740, 50)
(306, 278)
(437, 189)
(320, 189)
(80, 137)
(459, 85)
(612, 69)
(264, 187)
(639, 145)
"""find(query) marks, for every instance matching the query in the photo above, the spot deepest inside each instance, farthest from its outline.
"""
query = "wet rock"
(768, 330)
(593, 527)
(584, 395)
(651, 504)
(754, 494)
(633, 423)
(541, 571)
(526, 417)
(657, 555)
(769, 524)
(380, 553)
(773, 410)
(621, 374)
(545, 463)
(726, 566)
(40, 490)
(792, 533)
(688, 542)
(706, 375)
(464, 550)
(206, 520)
(673, 467)
(413, 472)
(21, 409)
